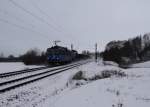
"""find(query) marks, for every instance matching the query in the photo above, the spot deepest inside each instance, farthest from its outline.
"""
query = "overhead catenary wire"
(33, 15)
(48, 16)
(45, 14)
(39, 18)
(21, 21)
(18, 19)
(21, 27)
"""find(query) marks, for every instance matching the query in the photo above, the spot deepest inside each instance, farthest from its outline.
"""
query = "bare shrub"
(78, 76)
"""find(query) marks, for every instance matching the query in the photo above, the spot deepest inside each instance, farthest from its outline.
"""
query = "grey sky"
(81, 22)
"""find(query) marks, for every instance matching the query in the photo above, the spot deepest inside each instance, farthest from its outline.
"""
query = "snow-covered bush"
(78, 76)
(109, 73)
(104, 74)
(110, 63)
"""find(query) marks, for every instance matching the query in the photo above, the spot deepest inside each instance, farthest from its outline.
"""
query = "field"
(14, 66)
(121, 88)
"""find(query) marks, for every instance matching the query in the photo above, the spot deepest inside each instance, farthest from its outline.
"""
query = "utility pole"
(56, 41)
(96, 52)
(71, 46)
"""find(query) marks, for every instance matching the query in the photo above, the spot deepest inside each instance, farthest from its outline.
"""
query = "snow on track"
(14, 66)
(38, 90)
(6, 86)
(54, 91)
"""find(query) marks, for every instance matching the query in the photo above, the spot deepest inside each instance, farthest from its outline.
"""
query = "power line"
(45, 14)
(15, 17)
(19, 20)
(21, 27)
(36, 16)
(32, 14)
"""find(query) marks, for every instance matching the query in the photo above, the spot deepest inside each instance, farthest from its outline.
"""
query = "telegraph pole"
(96, 52)
(71, 46)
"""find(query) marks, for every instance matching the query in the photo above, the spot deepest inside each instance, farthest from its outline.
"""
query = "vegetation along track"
(11, 84)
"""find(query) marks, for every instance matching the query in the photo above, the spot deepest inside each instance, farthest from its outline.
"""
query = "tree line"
(35, 56)
(132, 51)
(32, 56)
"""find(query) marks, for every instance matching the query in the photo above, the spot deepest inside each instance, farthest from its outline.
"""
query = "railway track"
(8, 74)
(17, 82)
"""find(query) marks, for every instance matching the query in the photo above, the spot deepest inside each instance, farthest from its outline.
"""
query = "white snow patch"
(143, 64)
(93, 69)
(129, 91)
(110, 63)
(14, 66)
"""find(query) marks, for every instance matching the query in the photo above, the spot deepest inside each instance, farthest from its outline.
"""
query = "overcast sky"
(26, 24)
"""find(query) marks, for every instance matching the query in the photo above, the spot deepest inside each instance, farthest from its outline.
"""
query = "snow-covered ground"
(142, 65)
(87, 90)
(129, 91)
(14, 66)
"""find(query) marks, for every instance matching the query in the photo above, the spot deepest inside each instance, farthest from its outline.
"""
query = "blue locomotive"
(60, 55)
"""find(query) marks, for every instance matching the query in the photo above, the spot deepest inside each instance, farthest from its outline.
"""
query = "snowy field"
(14, 66)
(85, 86)
(142, 65)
